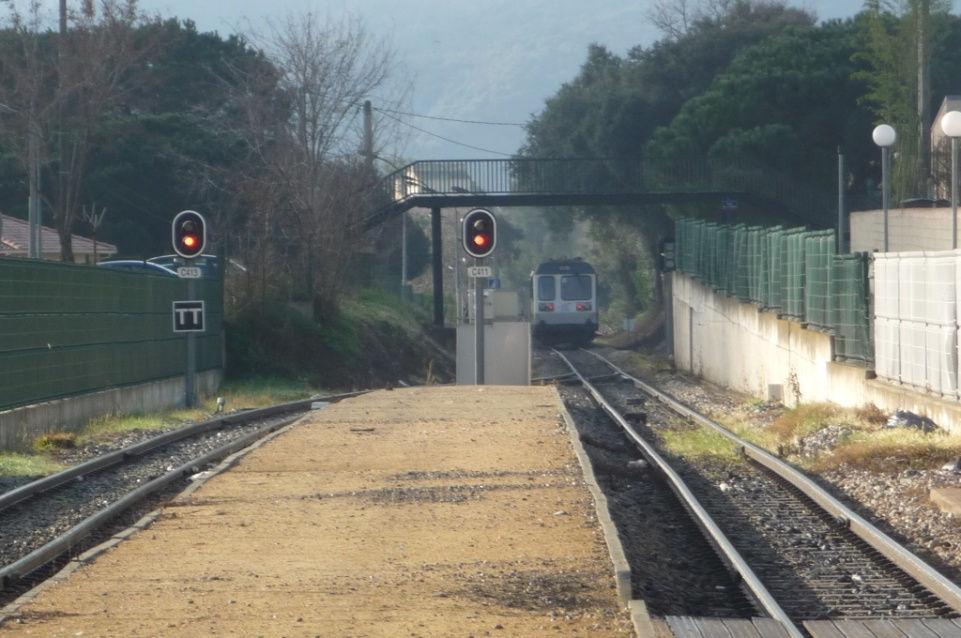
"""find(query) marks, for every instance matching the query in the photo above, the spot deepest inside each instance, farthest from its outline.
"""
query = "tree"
(312, 178)
(58, 87)
(782, 107)
(614, 105)
(898, 38)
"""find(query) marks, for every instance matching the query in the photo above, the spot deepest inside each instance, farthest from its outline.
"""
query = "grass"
(250, 393)
(892, 450)
(868, 445)
(698, 442)
(376, 305)
(15, 464)
(808, 418)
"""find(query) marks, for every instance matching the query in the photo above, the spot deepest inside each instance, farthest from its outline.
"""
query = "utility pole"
(924, 90)
(368, 151)
(61, 43)
(33, 202)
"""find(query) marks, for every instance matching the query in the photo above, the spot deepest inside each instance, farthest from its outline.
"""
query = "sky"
(485, 60)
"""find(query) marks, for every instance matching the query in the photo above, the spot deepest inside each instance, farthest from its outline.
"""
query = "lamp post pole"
(885, 136)
(885, 161)
(951, 125)
(954, 193)
(840, 201)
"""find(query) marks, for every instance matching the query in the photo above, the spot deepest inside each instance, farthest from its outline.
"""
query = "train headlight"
(584, 307)
(546, 307)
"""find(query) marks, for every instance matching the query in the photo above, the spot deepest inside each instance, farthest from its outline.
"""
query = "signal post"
(189, 231)
(480, 238)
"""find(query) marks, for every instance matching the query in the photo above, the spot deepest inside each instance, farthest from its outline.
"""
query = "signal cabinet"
(507, 353)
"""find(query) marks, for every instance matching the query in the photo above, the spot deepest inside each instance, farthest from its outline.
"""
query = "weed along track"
(815, 560)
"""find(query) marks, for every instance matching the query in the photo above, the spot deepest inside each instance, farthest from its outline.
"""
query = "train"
(564, 302)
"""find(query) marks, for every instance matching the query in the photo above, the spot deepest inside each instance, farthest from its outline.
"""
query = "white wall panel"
(887, 348)
(912, 289)
(941, 360)
(913, 342)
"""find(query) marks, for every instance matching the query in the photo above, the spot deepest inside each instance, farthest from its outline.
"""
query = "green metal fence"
(851, 321)
(792, 271)
(68, 329)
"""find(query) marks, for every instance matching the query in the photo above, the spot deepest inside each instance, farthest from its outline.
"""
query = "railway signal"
(189, 234)
(480, 233)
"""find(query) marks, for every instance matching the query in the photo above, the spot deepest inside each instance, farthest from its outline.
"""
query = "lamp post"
(951, 125)
(885, 136)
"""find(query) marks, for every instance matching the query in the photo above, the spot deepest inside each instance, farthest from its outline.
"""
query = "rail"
(43, 555)
(701, 516)
(926, 575)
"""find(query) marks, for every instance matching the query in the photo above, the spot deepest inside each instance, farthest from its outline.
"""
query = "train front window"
(545, 288)
(575, 287)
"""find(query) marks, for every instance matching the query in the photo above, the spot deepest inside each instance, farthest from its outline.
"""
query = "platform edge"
(643, 626)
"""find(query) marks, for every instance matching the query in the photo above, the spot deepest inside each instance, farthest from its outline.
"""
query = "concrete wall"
(20, 426)
(739, 346)
(908, 229)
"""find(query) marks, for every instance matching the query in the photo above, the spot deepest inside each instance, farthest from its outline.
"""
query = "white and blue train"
(564, 301)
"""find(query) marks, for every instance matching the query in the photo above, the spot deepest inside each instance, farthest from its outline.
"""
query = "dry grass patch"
(824, 436)
(54, 441)
(806, 419)
(891, 450)
(870, 413)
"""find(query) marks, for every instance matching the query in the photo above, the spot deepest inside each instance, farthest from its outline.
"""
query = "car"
(134, 265)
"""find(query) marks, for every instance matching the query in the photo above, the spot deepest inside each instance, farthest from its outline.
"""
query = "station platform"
(443, 511)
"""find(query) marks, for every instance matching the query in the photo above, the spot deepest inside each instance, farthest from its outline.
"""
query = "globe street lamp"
(884, 136)
(951, 125)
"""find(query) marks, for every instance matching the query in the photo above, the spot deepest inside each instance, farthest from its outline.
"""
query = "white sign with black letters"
(479, 271)
(189, 272)
(188, 316)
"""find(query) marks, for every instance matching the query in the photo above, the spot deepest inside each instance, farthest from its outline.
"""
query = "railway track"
(800, 554)
(44, 520)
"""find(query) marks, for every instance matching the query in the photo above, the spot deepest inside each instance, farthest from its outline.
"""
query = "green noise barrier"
(791, 271)
(67, 329)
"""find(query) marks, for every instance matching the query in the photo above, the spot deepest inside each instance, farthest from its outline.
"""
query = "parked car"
(133, 265)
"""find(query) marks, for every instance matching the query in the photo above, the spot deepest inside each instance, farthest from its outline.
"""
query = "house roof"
(15, 233)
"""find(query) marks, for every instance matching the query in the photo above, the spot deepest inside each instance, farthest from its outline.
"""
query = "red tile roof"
(14, 234)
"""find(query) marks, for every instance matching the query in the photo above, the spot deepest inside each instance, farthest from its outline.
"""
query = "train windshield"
(545, 288)
(575, 287)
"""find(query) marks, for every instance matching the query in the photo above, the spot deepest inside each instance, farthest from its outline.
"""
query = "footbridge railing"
(592, 181)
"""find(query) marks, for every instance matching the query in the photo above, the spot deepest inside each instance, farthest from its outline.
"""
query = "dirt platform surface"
(446, 511)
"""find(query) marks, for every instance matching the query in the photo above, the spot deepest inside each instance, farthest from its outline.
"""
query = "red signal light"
(189, 234)
(480, 233)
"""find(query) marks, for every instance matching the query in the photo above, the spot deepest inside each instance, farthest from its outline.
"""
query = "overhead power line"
(447, 139)
(448, 119)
